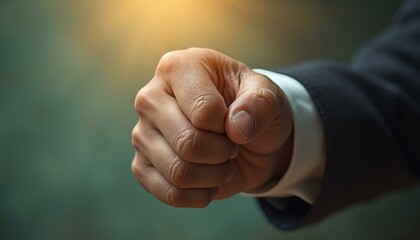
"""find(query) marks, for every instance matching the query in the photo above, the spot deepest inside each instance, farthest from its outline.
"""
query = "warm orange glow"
(133, 34)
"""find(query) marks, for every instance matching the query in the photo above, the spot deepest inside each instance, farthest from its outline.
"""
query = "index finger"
(194, 90)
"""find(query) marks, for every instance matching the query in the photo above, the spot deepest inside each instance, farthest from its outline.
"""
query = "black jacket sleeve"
(370, 110)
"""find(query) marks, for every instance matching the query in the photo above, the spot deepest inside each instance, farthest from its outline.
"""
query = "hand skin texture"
(209, 127)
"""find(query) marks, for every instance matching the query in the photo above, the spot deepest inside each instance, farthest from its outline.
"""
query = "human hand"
(209, 127)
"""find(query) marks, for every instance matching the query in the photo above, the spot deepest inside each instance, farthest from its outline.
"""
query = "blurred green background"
(69, 72)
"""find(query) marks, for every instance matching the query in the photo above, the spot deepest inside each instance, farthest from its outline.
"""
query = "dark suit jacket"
(370, 111)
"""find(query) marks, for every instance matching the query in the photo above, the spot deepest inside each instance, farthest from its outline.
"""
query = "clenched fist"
(209, 127)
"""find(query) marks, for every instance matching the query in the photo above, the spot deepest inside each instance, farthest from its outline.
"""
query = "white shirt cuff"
(304, 176)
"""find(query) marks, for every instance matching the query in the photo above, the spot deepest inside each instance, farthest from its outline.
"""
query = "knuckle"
(144, 101)
(267, 97)
(170, 62)
(198, 107)
(140, 172)
(194, 49)
(203, 105)
(172, 196)
(185, 143)
(135, 136)
(135, 169)
(140, 100)
(178, 172)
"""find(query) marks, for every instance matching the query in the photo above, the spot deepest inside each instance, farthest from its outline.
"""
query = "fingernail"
(245, 123)
(213, 192)
(234, 152)
(229, 173)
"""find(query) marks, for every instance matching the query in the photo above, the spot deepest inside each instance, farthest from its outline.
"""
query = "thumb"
(259, 101)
